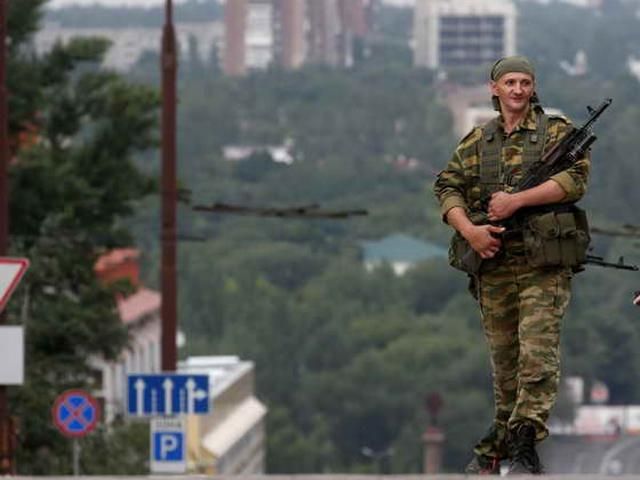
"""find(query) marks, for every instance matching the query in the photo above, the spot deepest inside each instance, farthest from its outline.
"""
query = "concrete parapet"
(321, 477)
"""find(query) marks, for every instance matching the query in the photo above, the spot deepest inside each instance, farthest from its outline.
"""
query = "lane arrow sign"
(139, 386)
(11, 272)
(167, 385)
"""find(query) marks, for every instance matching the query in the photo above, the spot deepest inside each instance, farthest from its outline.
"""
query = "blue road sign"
(75, 413)
(168, 445)
(167, 394)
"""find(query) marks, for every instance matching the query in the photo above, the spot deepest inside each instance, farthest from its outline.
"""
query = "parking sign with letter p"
(168, 449)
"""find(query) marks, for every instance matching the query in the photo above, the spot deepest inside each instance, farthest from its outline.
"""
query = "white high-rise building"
(458, 33)
(291, 33)
(259, 35)
(248, 35)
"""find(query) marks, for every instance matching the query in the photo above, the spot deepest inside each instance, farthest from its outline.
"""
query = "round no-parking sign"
(75, 413)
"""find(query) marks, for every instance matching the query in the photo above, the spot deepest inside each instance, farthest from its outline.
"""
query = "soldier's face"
(514, 90)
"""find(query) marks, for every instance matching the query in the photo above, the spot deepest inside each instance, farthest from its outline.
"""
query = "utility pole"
(7, 440)
(433, 438)
(169, 65)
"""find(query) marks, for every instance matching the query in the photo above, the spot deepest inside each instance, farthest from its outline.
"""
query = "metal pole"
(169, 192)
(4, 133)
(6, 425)
(76, 457)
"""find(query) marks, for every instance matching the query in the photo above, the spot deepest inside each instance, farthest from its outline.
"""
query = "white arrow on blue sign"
(167, 394)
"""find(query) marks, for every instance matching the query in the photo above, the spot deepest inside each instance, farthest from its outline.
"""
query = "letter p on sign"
(169, 444)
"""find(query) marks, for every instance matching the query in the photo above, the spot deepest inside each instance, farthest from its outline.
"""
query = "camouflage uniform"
(521, 306)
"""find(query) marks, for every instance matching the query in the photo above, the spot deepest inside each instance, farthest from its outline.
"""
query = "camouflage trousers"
(522, 308)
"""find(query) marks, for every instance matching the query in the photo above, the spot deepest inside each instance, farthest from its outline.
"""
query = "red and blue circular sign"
(75, 413)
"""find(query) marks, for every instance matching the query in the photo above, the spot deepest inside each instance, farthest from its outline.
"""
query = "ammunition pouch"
(558, 238)
(462, 256)
(465, 258)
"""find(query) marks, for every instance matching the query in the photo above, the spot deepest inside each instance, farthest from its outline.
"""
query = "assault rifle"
(473, 262)
(620, 265)
(562, 156)
(565, 153)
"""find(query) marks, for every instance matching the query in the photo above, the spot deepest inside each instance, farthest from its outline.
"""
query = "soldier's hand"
(636, 300)
(502, 205)
(482, 240)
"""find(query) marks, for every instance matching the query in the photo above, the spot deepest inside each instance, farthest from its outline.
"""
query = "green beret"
(516, 63)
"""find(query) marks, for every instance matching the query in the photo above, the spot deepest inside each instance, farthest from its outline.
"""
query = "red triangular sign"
(11, 272)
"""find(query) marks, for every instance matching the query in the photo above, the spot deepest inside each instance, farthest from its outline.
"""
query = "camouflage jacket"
(458, 185)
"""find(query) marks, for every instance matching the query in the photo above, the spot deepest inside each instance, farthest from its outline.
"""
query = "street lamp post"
(6, 424)
(433, 436)
(169, 62)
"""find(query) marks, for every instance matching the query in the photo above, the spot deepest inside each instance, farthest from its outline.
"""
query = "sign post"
(168, 397)
(11, 355)
(168, 445)
(75, 413)
(11, 271)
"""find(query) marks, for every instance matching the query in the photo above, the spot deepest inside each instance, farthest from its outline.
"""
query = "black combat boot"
(522, 450)
(493, 448)
(483, 465)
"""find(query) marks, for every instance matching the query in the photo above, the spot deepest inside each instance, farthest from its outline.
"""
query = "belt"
(513, 244)
(513, 235)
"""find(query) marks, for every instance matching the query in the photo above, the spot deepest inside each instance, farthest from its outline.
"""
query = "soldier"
(523, 280)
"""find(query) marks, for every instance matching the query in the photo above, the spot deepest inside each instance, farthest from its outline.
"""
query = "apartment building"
(463, 33)
(235, 26)
(291, 33)
(597, 4)
(129, 44)
(249, 36)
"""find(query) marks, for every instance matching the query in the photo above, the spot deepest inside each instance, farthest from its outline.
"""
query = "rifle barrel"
(597, 112)
(595, 260)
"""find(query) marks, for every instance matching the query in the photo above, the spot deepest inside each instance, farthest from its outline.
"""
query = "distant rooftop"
(116, 257)
(222, 370)
(401, 248)
(139, 304)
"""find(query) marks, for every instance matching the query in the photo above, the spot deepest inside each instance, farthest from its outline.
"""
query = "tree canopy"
(344, 356)
(76, 130)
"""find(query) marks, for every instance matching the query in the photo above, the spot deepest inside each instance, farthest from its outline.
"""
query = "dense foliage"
(344, 357)
(75, 130)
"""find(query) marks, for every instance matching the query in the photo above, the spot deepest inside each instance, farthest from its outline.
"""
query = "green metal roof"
(401, 248)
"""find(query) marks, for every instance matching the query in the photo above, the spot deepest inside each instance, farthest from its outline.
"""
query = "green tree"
(71, 184)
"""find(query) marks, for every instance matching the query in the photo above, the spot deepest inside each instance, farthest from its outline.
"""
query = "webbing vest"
(491, 153)
(552, 237)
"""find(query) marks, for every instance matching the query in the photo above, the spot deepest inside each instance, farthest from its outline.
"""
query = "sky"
(148, 3)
